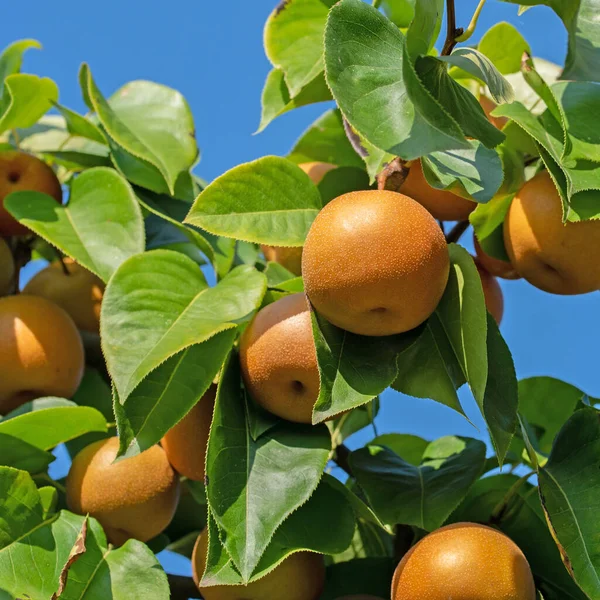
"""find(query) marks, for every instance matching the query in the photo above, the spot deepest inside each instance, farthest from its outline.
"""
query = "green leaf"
(475, 173)
(79, 125)
(49, 500)
(501, 400)
(569, 486)
(100, 227)
(168, 393)
(11, 58)
(410, 448)
(353, 421)
(341, 181)
(488, 218)
(20, 454)
(425, 28)
(151, 123)
(35, 547)
(25, 98)
(276, 99)
(374, 158)
(272, 478)
(326, 141)
(324, 524)
(280, 203)
(353, 369)
(547, 404)
(523, 520)
(480, 66)
(458, 101)
(294, 40)
(422, 496)
(370, 73)
(504, 46)
(158, 304)
(50, 427)
(399, 12)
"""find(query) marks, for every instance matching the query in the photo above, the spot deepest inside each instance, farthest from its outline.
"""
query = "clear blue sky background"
(212, 52)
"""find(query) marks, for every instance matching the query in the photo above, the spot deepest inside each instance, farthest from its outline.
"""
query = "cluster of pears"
(41, 351)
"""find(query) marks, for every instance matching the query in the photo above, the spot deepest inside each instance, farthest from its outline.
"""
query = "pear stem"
(61, 259)
(473, 24)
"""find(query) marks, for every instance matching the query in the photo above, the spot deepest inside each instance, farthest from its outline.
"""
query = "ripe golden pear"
(375, 263)
(301, 576)
(79, 293)
(492, 292)
(291, 257)
(463, 562)
(41, 353)
(7, 268)
(132, 498)
(555, 257)
(488, 106)
(23, 172)
(279, 360)
(185, 444)
(360, 597)
(494, 266)
(443, 205)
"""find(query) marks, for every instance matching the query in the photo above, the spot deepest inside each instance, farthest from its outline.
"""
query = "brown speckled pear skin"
(556, 258)
(23, 172)
(291, 257)
(301, 576)
(279, 360)
(79, 293)
(185, 444)
(443, 205)
(494, 299)
(494, 266)
(41, 353)
(132, 498)
(375, 263)
(465, 561)
(7, 268)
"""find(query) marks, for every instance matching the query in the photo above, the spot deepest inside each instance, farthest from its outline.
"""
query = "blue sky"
(212, 52)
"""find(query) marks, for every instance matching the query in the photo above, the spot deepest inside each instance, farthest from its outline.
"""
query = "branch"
(342, 453)
(457, 231)
(451, 32)
(182, 588)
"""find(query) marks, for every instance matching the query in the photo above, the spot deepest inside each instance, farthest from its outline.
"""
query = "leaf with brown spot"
(76, 552)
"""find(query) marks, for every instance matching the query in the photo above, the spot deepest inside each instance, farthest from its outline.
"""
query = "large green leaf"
(521, 518)
(151, 124)
(294, 40)
(460, 103)
(324, 524)
(100, 227)
(276, 99)
(422, 496)
(326, 141)
(78, 125)
(353, 369)
(12, 58)
(569, 484)
(35, 548)
(475, 173)
(49, 427)
(267, 201)
(480, 66)
(425, 27)
(364, 576)
(254, 485)
(158, 304)
(20, 454)
(25, 98)
(370, 73)
(410, 448)
(547, 404)
(504, 46)
(166, 395)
